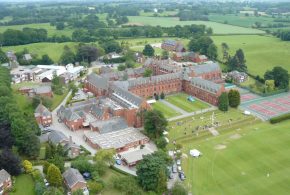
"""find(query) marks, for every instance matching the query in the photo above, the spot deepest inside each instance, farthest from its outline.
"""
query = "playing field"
(51, 30)
(248, 157)
(54, 50)
(218, 28)
(168, 112)
(262, 53)
(180, 100)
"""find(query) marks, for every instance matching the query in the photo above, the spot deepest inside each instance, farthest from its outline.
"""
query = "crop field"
(218, 28)
(248, 157)
(51, 30)
(54, 50)
(168, 112)
(180, 100)
(262, 53)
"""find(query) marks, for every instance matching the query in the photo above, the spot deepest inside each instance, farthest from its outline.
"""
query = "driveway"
(77, 136)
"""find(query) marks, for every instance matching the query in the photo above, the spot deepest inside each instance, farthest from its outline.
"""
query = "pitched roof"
(68, 114)
(56, 137)
(73, 176)
(110, 125)
(4, 175)
(98, 81)
(136, 155)
(41, 110)
(42, 89)
(125, 97)
(205, 68)
(170, 42)
(206, 85)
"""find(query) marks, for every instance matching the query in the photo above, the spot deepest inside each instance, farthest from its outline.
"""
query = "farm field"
(246, 158)
(180, 100)
(54, 50)
(168, 112)
(262, 53)
(241, 19)
(218, 28)
(51, 30)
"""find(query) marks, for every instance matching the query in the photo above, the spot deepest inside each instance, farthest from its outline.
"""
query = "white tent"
(195, 153)
(247, 112)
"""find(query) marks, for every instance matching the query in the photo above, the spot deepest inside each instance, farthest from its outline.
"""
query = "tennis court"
(268, 107)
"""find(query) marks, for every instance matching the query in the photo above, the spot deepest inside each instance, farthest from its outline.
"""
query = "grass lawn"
(57, 99)
(262, 53)
(24, 185)
(51, 30)
(180, 100)
(42, 152)
(109, 190)
(239, 159)
(54, 50)
(254, 85)
(168, 112)
(218, 28)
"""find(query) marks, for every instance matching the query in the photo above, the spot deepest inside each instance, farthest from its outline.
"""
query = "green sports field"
(54, 50)
(248, 157)
(262, 52)
(180, 100)
(51, 30)
(218, 28)
(168, 112)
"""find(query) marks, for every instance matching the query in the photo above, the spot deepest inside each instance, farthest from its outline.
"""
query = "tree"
(149, 170)
(225, 50)
(60, 26)
(111, 46)
(53, 191)
(161, 142)
(95, 187)
(223, 102)
(147, 73)
(78, 192)
(46, 60)
(105, 155)
(281, 77)
(238, 62)
(88, 53)
(148, 50)
(67, 55)
(126, 184)
(212, 51)
(179, 189)
(154, 123)
(162, 95)
(156, 96)
(234, 98)
(45, 167)
(10, 162)
(165, 54)
(121, 67)
(27, 165)
(54, 176)
(270, 85)
(3, 57)
(130, 64)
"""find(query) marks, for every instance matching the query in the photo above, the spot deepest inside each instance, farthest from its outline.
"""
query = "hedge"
(280, 118)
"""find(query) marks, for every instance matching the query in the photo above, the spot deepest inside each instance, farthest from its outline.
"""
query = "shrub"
(280, 118)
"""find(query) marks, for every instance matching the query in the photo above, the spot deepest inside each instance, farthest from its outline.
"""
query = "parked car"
(171, 175)
(178, 162)
(46, 182)
(174, 168)
(179, 169)
(87, 175)
(182, 176)
(118, 162)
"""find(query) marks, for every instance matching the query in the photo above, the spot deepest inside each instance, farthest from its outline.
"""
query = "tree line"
(18, 129)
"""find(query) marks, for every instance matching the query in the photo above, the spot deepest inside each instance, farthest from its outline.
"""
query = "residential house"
(73, 120)
(42, 115)
(57, 137)
(27, 57)
(5, 181)
(72, 148)
(74, 181)
(44, 90)
(237, 77)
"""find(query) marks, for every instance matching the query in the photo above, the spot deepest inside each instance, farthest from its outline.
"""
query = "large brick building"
(172, 45)
(43, 115)
(189, 56)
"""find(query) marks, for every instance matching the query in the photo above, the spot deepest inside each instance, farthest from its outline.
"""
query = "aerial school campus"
(162, 101)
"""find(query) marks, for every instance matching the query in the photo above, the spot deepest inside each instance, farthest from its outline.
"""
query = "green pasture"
(51, 30)
(241, 19)
(248, 157)
(168, 112)
(54, 50)
(180, 100)
(218, 28)
(262, 53)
